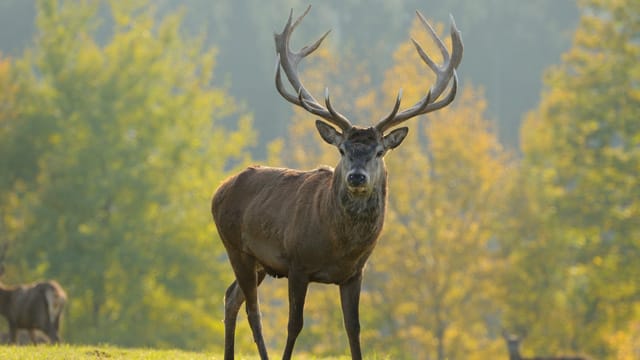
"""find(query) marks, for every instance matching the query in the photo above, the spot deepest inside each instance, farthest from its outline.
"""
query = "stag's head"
(362, 149)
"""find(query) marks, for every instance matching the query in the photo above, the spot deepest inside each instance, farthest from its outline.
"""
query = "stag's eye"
(341, 151)
(380, 153)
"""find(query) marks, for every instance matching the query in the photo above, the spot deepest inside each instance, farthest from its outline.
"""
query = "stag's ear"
(394, 138)
(328, 133)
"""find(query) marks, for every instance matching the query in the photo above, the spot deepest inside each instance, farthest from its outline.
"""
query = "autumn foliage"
(111, 149)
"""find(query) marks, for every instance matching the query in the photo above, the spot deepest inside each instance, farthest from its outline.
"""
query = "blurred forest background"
(515, 208)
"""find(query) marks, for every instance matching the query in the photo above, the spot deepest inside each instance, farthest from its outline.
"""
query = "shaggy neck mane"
(360, 216)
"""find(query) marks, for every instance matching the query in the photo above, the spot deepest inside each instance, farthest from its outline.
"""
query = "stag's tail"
(56, 300)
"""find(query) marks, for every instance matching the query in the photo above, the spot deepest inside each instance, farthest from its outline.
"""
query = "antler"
(444, 74)
(288, 61)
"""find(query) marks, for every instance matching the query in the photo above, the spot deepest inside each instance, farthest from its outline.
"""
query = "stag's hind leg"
(244, 289)
(233, 300)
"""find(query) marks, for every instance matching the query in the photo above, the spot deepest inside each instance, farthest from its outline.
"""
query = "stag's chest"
(341, 266)
(334, 249)
(342, 255)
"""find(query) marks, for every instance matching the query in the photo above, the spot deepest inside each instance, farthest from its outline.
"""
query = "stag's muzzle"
(357, 181)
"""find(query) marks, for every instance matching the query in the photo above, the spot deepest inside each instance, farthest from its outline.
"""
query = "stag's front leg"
(298, 284)
(350, 299)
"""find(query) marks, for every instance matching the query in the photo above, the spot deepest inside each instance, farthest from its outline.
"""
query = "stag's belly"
(321, 259)
(331, 260)
(334, 274)
(267, 252)
(339, 268)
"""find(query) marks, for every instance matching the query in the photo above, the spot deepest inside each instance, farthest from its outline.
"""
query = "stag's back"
(261, 191)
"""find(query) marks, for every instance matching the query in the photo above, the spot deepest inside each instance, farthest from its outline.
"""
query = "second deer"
(513, 345)
(32, 307)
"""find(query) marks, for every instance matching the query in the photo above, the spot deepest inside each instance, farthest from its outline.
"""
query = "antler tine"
(299, 19)
(395, 109)
(297, 100)
(445, 74)
(392, 121)
(447, 99)
(456, 43)
(309, 106)
(336, 115)
(434, 36)
(288, 61)
(280, 87)
(424, 56)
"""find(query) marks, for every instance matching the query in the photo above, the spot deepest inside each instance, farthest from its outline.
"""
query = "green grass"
(104, 352)
(69, 352)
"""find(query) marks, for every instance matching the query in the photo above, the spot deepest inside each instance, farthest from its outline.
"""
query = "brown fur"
(33, 307)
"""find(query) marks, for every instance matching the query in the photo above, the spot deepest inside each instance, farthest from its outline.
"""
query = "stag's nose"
(356, 179)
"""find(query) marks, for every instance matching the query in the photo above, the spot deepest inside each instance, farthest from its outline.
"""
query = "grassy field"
(69, 352)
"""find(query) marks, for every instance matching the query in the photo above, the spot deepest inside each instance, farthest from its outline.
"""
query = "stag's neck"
(362, 208)
(361, 216)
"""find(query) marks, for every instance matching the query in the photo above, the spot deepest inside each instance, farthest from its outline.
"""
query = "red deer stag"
(319, 225)
(32, 307)
(513, 345)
